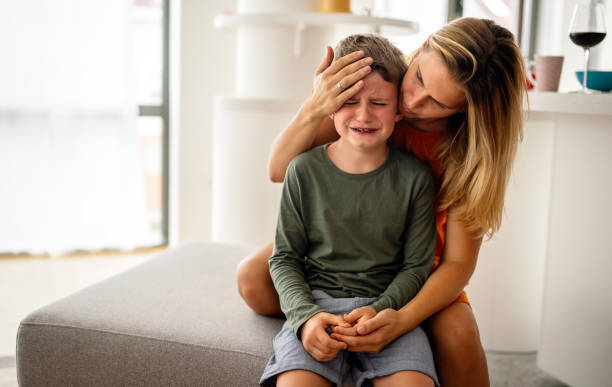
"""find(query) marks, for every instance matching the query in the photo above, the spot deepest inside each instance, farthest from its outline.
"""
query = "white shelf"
(571, 103)
(311, 18)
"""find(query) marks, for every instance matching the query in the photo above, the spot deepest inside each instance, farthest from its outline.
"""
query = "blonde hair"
(389, 60)
(477, 154)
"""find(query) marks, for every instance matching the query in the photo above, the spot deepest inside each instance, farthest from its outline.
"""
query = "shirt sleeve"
(287, 260)
(419, 248)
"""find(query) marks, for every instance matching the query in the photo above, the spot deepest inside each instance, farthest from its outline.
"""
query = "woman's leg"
(255, 284)
(458, 353)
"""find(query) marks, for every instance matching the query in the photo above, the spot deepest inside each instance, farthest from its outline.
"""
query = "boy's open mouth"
(364, 130)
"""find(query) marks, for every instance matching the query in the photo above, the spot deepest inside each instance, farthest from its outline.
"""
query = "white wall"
(203, 68)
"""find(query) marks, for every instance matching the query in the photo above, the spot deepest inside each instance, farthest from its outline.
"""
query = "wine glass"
(587, 29)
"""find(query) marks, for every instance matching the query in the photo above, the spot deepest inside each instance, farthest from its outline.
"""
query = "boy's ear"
(332, 116)
(398, 116)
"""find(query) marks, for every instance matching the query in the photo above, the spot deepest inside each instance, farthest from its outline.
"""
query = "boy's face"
(367, 119)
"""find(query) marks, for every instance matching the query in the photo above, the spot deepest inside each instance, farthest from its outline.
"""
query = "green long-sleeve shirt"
(352, 235)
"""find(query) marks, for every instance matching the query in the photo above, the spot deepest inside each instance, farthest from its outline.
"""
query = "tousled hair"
(476, 155)
(388, 60)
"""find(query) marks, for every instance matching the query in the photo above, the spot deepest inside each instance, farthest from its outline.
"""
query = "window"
(83, 122)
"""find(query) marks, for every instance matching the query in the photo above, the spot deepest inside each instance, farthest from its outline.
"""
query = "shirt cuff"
(296, 323)
(381, 304)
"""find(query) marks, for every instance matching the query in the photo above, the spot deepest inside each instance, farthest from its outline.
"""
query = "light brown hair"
(477, 154)
(389, 61)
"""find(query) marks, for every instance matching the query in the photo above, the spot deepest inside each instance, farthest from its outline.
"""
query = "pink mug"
(547, 72)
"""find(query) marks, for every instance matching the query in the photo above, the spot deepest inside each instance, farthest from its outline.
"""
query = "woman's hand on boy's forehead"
(336, 82)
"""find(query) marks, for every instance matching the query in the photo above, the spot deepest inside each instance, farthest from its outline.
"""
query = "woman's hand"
(311, 126)
(336, 82)
(372, 335)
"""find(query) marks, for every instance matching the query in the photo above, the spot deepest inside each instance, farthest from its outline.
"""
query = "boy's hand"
(356, 318)
(317, 341)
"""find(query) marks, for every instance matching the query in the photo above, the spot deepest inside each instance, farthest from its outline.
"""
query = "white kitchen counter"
(571, 103)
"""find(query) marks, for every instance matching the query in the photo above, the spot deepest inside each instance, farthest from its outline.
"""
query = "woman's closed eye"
(438, 104)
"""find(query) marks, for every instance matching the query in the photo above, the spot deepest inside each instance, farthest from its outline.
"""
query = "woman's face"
(428, 90)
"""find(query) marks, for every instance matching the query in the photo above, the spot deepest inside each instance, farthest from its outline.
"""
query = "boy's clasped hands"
(324, 347)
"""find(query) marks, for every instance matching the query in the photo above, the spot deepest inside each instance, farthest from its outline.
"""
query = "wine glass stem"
(586, 70)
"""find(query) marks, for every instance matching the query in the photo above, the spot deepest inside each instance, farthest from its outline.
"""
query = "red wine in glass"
(587, 29)
(587, 39)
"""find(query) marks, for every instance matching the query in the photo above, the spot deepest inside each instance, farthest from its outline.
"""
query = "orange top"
(422, 144)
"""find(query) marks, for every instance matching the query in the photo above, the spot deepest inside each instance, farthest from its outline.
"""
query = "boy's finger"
(348, 331)
(351, 341)
(332, 319)
(353, 316)
(334, 345)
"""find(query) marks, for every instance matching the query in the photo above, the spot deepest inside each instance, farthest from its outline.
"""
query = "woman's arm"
(311, 126)
(441, 289)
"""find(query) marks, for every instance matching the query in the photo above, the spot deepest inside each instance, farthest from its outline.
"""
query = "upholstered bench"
(175, 320)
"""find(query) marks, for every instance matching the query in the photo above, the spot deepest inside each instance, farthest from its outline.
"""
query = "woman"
(462, 100)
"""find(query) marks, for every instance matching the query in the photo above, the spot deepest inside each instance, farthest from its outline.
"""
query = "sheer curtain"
(70, 173)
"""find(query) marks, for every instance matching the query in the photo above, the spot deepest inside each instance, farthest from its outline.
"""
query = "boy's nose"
(364, 113)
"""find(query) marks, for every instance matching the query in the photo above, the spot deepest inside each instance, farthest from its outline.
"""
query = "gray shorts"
(409, 352)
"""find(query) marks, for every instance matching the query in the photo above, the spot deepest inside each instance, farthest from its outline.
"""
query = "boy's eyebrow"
(420, 79)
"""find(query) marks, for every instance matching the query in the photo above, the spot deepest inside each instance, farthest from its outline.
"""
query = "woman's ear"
(332, 116)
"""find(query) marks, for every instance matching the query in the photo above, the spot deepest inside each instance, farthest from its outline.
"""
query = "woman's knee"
(254, 283)
(454, 332)
(460, 358)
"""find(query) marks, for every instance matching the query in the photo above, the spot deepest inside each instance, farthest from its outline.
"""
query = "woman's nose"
(417, 99)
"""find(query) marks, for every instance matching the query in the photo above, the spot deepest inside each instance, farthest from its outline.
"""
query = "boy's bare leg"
(301, 378)
(404, 378)
(255, 284)
(458, 353)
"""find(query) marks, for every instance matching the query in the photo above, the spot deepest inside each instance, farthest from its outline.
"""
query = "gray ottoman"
(176, 320)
